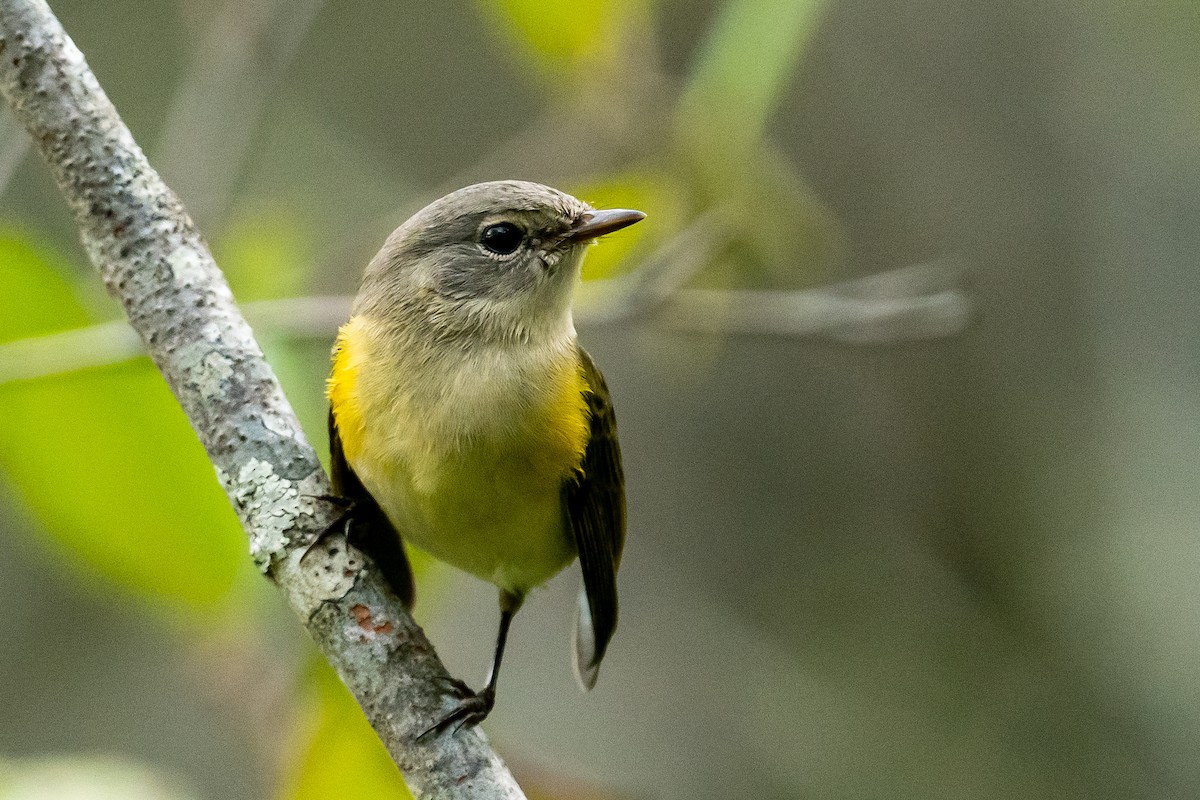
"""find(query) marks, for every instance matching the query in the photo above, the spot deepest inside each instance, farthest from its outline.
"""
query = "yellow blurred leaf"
(564, 35)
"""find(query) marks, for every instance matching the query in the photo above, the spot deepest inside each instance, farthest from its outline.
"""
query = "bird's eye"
(503, 238)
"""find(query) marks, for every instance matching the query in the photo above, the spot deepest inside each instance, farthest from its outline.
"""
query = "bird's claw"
(472, 709)
(342, 521)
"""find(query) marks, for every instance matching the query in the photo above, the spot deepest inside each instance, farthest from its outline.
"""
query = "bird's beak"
(597, 223)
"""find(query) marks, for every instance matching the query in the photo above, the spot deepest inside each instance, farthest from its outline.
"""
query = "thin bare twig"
(923, 301)
(152, 258)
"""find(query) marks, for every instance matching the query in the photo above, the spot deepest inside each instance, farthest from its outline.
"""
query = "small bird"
(466, 419)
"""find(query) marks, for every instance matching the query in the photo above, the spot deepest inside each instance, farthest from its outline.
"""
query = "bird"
(466, 419)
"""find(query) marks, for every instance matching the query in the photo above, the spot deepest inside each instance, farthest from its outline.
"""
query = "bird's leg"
(510, 603)
(474, 707)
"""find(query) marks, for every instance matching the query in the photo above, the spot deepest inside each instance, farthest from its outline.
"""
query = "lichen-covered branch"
(153, 259)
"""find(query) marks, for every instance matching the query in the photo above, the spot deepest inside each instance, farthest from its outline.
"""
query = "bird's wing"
(595, 508)
(370, 530)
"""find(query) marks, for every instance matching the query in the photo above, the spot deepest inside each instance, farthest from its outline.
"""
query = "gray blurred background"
(935, 565)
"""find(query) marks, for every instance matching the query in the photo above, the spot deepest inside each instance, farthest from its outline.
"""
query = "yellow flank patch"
(342, 388)
(564, 426)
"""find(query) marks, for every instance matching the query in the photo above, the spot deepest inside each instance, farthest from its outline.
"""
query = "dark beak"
(597, 223)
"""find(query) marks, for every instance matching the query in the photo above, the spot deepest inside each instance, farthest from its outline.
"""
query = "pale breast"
(467, 456)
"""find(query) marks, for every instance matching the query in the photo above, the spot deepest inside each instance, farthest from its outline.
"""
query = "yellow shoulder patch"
(565, 424)
(342, 387)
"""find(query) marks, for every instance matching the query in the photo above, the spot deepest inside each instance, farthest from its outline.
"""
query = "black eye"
(503, 238)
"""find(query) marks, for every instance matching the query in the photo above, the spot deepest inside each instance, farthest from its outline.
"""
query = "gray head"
(495, 260)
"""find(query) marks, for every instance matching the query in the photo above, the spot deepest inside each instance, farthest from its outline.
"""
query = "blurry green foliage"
(37, 299)
(781, 232)
(750, 53)
(719, 157)
(340, 755)
(105, 458)
(264, 253)
(563, 35)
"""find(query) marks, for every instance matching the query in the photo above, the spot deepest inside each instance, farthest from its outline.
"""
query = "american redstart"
(466, 419)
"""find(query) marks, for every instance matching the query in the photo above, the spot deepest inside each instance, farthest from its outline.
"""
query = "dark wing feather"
(595, 508)
(370, 530)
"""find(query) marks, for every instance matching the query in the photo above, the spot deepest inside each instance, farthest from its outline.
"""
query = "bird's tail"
(584, 656)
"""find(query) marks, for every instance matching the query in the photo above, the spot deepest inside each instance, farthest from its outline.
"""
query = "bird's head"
(493, 260)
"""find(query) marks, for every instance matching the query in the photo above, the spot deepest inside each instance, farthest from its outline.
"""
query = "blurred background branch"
(924, 301)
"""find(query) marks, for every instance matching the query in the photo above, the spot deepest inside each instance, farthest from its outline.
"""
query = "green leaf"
(36, 298)
(340, 755)
(105, 459)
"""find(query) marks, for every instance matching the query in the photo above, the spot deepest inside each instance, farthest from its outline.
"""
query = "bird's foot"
(340, 524)
(472, 709)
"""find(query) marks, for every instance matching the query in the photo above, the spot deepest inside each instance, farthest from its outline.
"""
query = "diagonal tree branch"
(153, 259)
